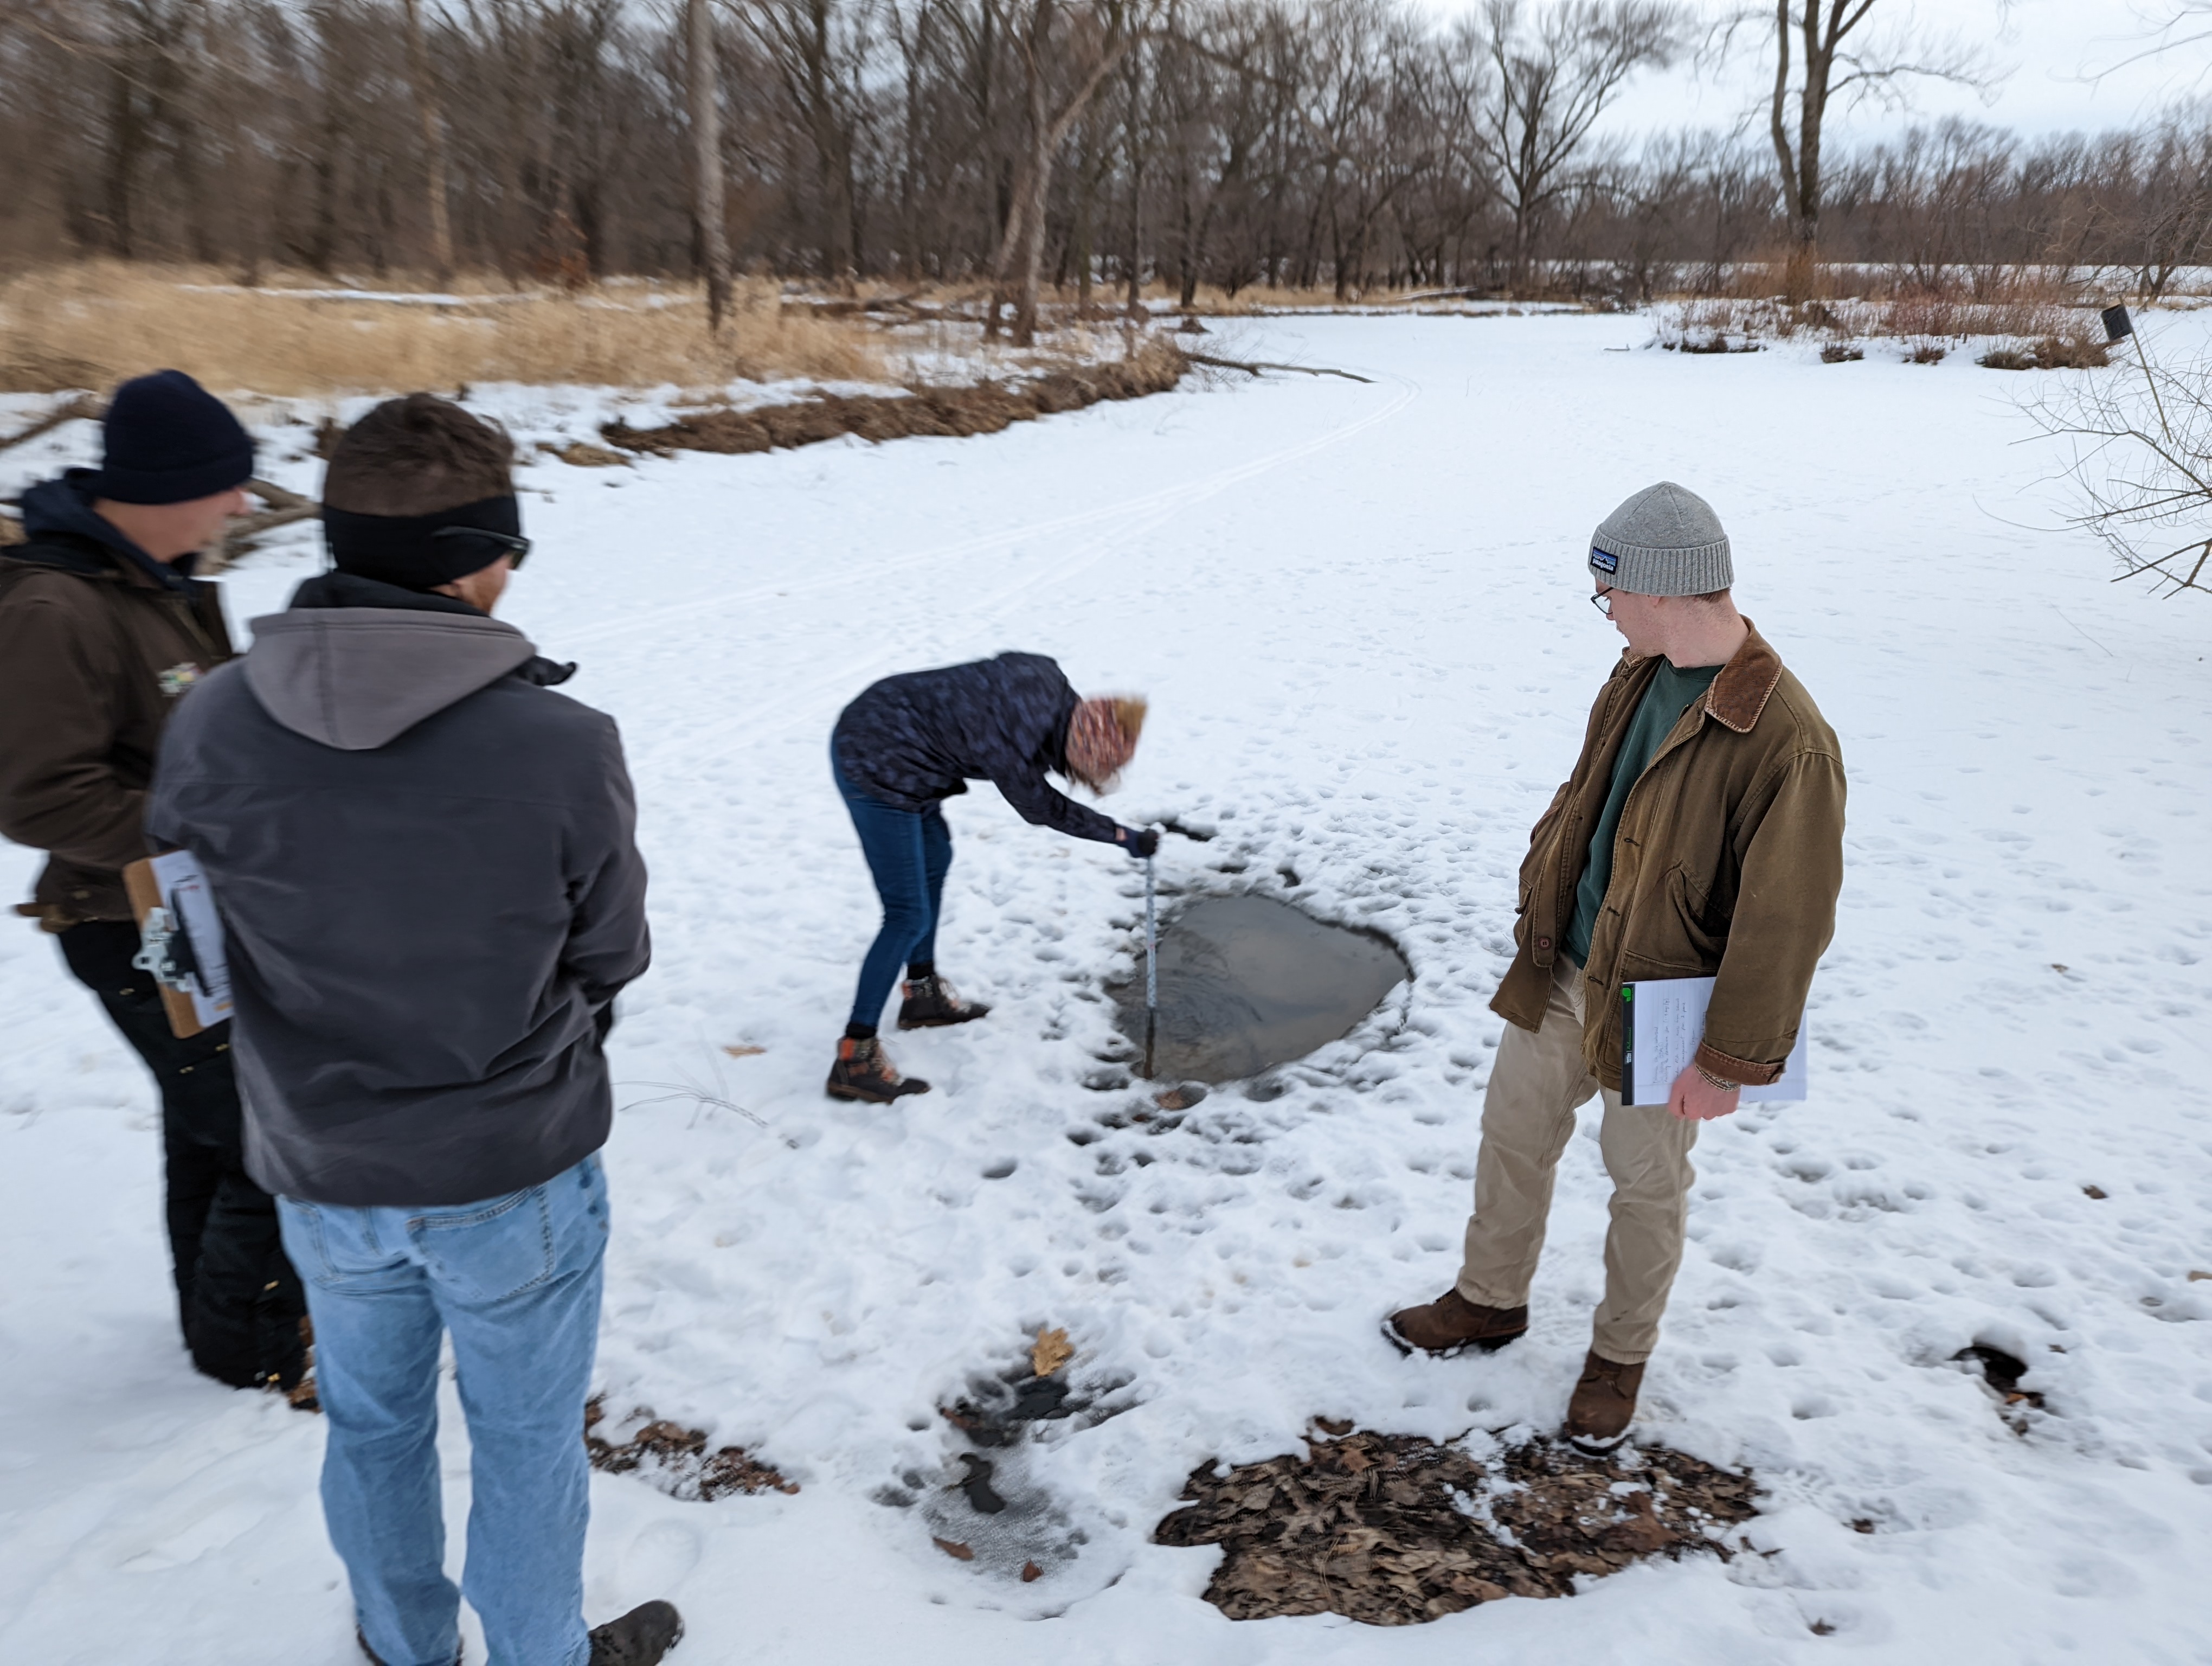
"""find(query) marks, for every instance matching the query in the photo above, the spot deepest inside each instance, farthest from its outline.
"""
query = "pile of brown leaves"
(1393, 1530)
(985, 408)
(676, 1459)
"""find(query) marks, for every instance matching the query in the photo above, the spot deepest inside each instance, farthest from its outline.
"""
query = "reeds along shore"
(89, 325)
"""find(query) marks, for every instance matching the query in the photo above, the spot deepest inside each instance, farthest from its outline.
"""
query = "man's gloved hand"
(1143, 841)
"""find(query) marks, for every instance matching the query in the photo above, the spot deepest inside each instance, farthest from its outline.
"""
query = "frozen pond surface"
(1360, 614)
(1247, 983)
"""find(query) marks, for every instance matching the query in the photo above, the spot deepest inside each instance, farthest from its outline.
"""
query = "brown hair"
(1720, 595)
(418, 455)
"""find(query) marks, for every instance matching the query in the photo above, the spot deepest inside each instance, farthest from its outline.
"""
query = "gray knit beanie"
(1662, 541)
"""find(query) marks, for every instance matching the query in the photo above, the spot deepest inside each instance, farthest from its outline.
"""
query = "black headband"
(407, 550)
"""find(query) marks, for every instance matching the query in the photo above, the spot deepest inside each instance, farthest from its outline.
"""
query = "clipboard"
(1663, 1021)
(180, 939)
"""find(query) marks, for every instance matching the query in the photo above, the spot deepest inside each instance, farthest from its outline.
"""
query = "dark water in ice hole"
(1247, 983)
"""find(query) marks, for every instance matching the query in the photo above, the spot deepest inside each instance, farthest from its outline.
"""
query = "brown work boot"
(930, 1003)
(862, 1072)
(1451, 1324)
(1603, 1403)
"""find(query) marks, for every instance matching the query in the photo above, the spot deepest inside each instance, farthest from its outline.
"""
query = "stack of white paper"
(1663, 1020)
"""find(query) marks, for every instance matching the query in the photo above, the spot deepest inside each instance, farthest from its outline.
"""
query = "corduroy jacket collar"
(1739, 693)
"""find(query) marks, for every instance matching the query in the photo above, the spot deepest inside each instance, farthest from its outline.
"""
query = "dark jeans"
(239, 1300)
(908, 852)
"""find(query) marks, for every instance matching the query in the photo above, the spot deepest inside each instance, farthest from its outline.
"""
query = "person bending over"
(1701, 835)
(907, 744)
(425, 862)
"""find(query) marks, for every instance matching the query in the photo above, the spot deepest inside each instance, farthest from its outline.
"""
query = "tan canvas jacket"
(92, 657)
(1726, 864)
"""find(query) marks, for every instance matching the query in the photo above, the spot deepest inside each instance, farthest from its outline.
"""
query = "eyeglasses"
(1602, 600)
(502, 544)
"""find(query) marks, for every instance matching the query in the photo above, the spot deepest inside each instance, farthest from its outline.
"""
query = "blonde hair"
(1101, 737)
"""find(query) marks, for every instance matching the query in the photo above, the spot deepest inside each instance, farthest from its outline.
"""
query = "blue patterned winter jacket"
(915, 739)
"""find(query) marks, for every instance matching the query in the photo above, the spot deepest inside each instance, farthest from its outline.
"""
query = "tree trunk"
(322, 245)
(125, 131)
(434, 147)
(700, 79)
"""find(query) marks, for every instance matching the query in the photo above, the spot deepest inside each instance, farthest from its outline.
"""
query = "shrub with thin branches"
(2137, 450)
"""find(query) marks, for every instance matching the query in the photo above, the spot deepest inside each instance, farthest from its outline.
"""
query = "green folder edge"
(1628, 1044)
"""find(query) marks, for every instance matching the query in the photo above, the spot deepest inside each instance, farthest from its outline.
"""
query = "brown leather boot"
(1451, 1324)
(862, 1072)
(930, 1002)
(1604, 1401)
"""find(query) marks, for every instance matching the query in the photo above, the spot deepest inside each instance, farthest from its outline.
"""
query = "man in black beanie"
(103, 627)
(426, 862)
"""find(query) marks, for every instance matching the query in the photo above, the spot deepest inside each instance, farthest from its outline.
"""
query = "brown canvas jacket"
(94, 655)
(1726, 864)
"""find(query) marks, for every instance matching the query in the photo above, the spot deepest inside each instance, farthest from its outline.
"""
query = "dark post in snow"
(700, 79)
(2119, 325)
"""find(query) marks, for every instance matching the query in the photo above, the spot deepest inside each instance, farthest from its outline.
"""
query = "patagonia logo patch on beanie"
(167, 440)
(1664, 541)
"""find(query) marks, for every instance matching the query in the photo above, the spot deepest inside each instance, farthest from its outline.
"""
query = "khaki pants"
(1527, 1117)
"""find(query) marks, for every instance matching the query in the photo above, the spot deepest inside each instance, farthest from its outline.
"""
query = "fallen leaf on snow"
(743, 1050)
(1050, 1351)
(957, 1551)
(1030, 1572)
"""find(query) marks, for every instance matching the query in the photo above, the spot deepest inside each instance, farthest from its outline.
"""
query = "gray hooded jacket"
(428, 876)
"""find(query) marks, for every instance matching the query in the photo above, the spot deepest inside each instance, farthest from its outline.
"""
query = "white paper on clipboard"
(184, 893)
(1662, 1023)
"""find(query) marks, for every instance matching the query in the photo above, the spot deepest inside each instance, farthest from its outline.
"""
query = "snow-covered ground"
(1359, 611)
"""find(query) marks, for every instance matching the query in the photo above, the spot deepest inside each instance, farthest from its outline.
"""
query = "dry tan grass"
(1930, 322)
(90, 324)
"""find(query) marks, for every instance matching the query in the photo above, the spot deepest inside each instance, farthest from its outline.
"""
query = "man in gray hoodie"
(424, 858)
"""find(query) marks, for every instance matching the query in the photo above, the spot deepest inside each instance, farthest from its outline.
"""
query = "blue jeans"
(516, 1281)
(908, 852)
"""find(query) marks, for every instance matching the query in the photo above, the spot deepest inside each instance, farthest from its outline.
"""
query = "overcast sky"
(2052, 48)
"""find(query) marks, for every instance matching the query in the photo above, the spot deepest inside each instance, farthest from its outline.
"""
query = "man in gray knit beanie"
(1699, 836)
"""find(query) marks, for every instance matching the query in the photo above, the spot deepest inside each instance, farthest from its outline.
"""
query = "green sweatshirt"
(1671, 694)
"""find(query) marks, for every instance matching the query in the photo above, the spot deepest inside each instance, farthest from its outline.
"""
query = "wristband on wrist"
(1713, 1081)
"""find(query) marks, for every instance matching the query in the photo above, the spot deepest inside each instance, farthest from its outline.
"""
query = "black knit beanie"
(169, 440)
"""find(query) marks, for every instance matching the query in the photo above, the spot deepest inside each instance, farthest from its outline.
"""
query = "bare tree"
(434, 146)
(703, 97)
(1334, 144)
(1823, 50)
(1063, 64)
(814, 46)
(2137, 458)
(1553, 75)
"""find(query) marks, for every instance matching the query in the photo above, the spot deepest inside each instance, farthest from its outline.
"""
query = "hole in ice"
(2002, 1371)
(1247, 983)
(991, 1508)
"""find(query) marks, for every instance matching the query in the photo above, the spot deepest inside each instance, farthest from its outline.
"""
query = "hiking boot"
(1452, 1324)
(1604, 1401)
(930, 1003)
(863, 1073)
(640, 1638)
